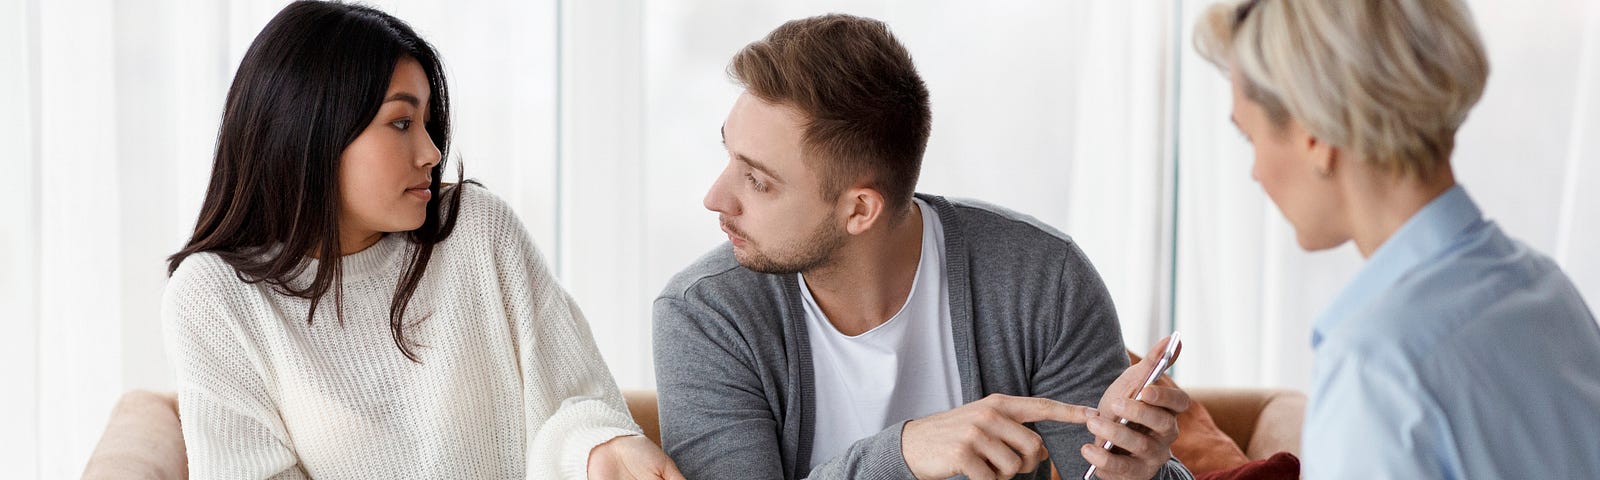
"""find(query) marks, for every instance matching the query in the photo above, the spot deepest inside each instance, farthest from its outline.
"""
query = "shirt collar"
(1426, 234)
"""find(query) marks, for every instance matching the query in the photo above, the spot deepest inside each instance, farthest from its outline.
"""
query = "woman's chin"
(1315, 243)
(407, 225)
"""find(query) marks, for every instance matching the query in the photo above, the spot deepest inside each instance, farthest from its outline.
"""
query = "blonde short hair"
(1390, 80)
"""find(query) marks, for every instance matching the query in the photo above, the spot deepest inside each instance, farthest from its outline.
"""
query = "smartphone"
(1167, 358)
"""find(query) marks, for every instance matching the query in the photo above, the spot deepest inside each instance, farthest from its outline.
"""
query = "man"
(852, 329)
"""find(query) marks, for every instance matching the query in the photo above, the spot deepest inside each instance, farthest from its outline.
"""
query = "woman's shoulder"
(484, 217)
(476, 197)
(201, 273)
(480, 208)
(201, 285)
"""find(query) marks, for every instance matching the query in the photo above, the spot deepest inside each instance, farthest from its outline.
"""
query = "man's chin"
(751, 262)
(758, 263)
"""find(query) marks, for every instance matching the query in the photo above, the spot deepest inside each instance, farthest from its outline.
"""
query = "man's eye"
(760, 187)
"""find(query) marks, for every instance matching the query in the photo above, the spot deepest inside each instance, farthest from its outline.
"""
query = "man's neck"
(870, 279)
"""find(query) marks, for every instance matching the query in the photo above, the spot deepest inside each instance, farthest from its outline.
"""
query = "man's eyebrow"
(758, 166)
(746, 159)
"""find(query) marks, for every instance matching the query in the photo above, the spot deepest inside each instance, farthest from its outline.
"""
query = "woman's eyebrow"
(404, 97)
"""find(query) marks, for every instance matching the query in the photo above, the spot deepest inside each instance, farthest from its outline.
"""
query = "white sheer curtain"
(1246, 294)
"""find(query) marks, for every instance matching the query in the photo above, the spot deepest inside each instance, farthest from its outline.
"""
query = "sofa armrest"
(1278, 428)
(1261, 421)
(642, 405)
(142, 440)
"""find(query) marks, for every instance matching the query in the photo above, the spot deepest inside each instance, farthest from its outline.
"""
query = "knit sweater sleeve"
(571, 402)
(716, 420)
(231, 428)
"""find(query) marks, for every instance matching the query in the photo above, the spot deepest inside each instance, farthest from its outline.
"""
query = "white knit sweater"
(510, 385)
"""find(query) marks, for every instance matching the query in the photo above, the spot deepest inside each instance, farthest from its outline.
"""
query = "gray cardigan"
(1031, 317)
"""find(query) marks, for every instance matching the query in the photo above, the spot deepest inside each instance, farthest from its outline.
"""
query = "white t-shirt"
(903, 369)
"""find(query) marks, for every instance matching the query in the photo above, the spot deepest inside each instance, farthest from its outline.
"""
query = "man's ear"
(862, 209)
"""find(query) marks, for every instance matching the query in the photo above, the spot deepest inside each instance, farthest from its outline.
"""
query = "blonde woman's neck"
(1378, 204)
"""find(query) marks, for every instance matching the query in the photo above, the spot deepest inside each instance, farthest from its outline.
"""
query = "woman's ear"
(1323, 155)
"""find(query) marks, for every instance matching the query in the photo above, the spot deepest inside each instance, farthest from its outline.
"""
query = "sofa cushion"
(1280, 466)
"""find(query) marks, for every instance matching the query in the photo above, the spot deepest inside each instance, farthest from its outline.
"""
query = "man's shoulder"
(717, 277)
(989, 230)
(716, 297)
(982, 219)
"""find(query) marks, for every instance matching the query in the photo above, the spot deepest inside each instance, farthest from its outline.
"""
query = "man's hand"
(1142, 446)
(631, 457)
(983, 439)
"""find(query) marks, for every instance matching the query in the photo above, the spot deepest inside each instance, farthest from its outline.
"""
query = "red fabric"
(1281, 465)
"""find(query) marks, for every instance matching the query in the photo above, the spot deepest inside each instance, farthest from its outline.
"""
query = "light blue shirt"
(1456, 352)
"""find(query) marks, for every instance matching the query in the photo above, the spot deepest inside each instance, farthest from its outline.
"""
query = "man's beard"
(814, 251)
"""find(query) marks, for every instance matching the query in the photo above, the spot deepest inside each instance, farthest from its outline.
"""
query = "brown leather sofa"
(143, 440)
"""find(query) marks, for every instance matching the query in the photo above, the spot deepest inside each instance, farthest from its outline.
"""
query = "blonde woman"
(1457, 352)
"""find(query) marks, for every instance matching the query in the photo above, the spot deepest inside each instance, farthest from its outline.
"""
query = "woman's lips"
(421, 191)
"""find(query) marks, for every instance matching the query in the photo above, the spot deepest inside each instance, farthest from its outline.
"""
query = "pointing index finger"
(1029, 409)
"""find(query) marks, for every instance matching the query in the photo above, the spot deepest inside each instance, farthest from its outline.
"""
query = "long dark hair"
(310, 83)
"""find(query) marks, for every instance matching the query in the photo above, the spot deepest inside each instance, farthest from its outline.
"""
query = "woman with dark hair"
(446, 350)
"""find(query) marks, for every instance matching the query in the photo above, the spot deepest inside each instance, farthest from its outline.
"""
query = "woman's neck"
(351, 243)
(1383, 203)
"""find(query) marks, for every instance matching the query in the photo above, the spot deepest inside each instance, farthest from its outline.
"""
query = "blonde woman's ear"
(1324, 156)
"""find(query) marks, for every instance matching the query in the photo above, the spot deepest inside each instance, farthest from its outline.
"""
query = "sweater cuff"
(575, 463)
(572, 433)
(882, 456)
(1174, 470)
(876, 457)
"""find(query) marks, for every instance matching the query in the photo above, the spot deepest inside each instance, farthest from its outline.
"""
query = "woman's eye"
(401, 124)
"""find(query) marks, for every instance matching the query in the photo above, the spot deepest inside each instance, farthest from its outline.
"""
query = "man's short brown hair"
(866, 109)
